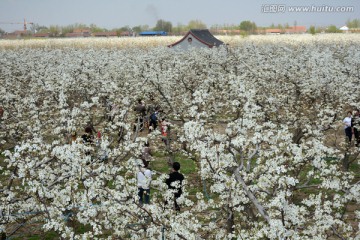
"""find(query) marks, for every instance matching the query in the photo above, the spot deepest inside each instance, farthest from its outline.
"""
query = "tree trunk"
(230, 221)
(345, 162)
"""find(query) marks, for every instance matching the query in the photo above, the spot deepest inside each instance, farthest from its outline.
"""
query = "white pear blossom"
(261, 123)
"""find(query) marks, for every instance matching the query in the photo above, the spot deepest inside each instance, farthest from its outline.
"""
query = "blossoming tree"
(260, 120)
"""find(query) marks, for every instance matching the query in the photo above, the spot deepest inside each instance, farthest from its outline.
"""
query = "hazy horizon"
(115, 14)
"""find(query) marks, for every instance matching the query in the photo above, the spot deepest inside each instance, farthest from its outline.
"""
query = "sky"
(118, 13)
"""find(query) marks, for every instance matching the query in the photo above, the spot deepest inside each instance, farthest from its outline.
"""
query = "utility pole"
(26, 23)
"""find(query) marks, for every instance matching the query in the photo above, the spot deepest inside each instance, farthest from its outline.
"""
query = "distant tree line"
(355, 23)
(246, 27)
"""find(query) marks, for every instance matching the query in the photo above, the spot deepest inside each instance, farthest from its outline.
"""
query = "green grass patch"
(188, 166)
(82, 228)
(158, 154)
(111, 184)
(46, 236)
(160, 165)
(315, 181)
(355, 168)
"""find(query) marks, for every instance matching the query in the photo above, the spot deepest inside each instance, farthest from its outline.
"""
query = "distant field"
(148, 42)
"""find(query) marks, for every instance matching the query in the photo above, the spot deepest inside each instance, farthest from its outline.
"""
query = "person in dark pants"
(175, 182)
(144, 181)
(153, 121)
(355, 123)
(347, 126)
(1, 112)
(140, 110)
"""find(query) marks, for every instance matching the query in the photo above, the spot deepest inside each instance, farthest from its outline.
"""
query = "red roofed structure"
(289, 30)
(273, 31)
(105, 34)
(296, 29)
(78, 34)
(41, 35)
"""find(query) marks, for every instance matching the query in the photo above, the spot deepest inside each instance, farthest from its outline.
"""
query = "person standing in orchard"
(355, 123)
(153, 121)
(164, 131)
(174, 182)
(146, 152)
(164, 127)
(347, 126)
(88, 137)
(1, 113)
(140, 110)
(143, 181)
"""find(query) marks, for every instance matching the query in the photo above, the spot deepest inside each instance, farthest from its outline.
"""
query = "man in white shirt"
(144, 180)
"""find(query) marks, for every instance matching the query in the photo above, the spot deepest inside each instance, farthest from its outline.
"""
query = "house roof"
(273, 30)
(78, 34)
(105, 34)
(203, 35)
(206, 36)
(297, 29)
(126, 33)
(18, 32)
(41, 35)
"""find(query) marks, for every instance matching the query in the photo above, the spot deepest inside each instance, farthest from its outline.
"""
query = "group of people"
(352, 126)
(148, 117)
(174, 182)
(144, 177)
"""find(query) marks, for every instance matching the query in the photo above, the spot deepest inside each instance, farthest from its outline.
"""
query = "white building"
(344, 29)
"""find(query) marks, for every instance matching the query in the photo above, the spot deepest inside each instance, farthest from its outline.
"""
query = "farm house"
(197, 38)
